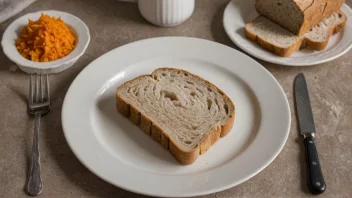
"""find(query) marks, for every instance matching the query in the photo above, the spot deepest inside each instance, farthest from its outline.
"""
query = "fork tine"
(47, 94)
(30, 97)
(40, 88)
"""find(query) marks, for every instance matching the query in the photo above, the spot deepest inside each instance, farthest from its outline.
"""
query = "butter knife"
(315, 179)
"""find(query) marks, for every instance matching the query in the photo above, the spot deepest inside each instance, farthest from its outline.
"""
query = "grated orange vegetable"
(47, 39)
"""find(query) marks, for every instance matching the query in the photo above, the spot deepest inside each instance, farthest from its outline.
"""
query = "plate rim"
(187, 194)
(277, 60)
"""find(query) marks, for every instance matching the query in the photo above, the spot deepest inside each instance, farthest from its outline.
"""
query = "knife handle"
(315, 179)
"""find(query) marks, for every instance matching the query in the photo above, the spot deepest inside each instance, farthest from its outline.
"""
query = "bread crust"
(321, 45)
(300, 43)
(146, 124)
(331, 6)
(284, 52)
(316, 12)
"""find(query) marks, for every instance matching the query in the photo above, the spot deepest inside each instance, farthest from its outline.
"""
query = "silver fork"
(38, 105)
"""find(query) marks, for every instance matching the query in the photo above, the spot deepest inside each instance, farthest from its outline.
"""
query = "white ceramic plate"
(239, 12)
(117, 151)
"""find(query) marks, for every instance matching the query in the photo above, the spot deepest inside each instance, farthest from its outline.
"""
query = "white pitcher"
(165, 13)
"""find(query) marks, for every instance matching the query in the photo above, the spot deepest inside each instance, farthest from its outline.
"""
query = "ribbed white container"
(166, 13)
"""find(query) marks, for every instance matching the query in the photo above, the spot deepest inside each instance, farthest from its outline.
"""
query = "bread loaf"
(282, 42)
(297, 16)
(183, 112)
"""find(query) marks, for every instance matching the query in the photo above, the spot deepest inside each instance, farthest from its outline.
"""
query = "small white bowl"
(12, 32)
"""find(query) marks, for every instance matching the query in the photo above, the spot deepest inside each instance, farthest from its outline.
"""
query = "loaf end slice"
(318, 37)
(181, 111)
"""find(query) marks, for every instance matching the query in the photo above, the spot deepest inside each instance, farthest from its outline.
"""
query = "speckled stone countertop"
(113, 24)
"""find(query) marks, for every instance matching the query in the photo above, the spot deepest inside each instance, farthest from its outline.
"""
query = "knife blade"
(315, 179)
(303, 107)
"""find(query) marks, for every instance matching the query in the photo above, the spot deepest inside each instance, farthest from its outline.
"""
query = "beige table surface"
(113, 24)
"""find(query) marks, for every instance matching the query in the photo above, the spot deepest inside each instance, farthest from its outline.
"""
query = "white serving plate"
(117, 151)
(238, 13)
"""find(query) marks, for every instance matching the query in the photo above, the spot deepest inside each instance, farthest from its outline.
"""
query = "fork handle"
(34, 185)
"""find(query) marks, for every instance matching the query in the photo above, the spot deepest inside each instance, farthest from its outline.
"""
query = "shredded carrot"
(47, 39)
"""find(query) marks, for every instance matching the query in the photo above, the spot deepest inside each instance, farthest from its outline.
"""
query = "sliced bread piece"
(183, 112)
(282, 42)
(318, 37)
(272, 37)
(297, 16)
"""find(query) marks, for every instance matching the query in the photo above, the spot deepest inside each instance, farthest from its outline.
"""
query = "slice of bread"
(282, 42)
(183, 112)
(318, 37)
(297, 16)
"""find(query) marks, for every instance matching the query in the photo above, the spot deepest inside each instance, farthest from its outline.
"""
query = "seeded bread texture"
(183, 112)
